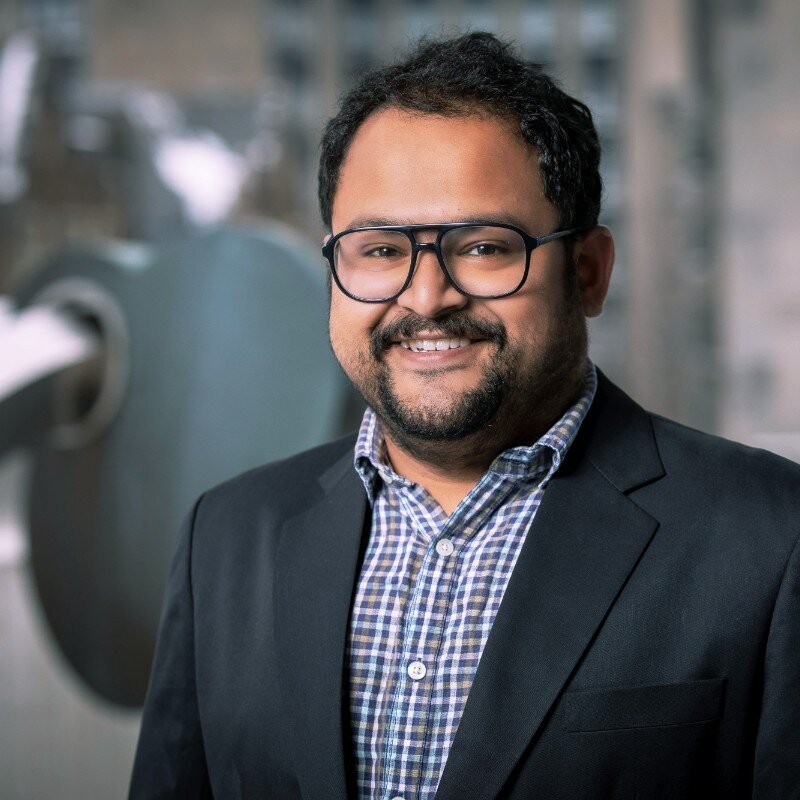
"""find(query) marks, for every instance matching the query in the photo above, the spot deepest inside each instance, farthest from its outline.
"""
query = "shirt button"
(444, 547)
(416, 670)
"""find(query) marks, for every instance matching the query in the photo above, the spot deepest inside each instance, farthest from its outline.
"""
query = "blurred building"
(695, 101)
(710, 194)
(759, 239)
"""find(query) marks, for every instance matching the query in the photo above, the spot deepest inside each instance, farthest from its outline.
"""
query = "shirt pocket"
(654, 706)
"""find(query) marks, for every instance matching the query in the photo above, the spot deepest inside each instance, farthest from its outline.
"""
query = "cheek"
(526, 316)
(350, 324)
(337, 327)
(533, 323)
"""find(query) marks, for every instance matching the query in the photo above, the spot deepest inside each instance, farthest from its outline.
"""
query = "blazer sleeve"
(777, 757)
(170, 759)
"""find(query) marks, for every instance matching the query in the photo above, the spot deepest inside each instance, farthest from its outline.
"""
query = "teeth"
(423, 345)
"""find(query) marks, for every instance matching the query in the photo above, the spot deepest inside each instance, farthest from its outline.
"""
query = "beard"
(516, 399)
(472, 411)
(454, 418)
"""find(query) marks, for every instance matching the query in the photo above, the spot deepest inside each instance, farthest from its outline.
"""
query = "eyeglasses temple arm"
(552, 236)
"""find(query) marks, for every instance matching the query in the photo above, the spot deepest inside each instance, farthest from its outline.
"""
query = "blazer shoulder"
(751, 494)
(681, 449)
(680, 444)
(282, 487)
(719, 497)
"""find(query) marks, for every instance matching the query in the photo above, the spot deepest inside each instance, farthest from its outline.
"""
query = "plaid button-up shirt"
(427, 595)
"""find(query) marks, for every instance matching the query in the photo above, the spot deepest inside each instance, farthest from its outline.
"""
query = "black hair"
(477, 74)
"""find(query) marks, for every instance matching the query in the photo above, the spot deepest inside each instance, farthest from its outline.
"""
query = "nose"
(431, 294)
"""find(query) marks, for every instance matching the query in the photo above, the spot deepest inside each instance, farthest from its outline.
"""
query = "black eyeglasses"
(481, 260)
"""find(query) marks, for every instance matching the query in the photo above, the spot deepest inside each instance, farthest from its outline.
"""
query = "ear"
(594, 259)
(327, 237)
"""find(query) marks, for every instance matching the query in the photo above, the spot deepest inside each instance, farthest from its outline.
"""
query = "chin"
(455, 417)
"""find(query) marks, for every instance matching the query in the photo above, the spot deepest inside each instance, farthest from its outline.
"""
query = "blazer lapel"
(585, 541)
(316, 565)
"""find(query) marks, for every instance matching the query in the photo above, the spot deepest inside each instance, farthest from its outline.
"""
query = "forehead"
(411, 167)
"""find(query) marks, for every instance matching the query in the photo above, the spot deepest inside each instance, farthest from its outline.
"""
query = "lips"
(425, 345)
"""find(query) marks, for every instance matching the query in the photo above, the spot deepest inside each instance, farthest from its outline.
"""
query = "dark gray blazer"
(648, 644)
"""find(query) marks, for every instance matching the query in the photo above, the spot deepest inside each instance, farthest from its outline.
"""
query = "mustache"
(458, 325)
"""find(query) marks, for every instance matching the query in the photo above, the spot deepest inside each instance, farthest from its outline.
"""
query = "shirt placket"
(441, 538)
(408, 710)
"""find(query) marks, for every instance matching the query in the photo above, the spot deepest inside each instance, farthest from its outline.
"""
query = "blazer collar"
(617, 436)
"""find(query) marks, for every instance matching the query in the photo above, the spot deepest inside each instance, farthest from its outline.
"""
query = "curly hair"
(478, 74)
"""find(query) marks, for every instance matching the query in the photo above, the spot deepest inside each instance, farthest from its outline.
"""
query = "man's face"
(524, 353)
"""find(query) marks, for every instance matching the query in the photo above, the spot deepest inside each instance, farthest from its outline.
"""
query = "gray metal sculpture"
(201, 359)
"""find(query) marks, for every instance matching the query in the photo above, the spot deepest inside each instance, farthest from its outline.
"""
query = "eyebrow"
(502, 219)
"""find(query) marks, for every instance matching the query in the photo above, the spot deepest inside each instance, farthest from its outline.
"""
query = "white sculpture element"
(37, 342)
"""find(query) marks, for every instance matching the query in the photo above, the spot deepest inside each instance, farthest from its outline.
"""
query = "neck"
(449, 470)
(447, 486)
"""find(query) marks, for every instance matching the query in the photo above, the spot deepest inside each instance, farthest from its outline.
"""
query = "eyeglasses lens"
(485, 261)
(373, 264)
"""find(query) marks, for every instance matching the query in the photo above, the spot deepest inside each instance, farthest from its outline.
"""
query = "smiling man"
(514, 582)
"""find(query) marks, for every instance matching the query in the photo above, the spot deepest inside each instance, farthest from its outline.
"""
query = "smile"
(423, 345)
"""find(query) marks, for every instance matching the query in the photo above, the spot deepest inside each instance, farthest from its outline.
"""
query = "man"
(514, 582)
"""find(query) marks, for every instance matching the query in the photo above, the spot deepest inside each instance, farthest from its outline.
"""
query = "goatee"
(471, 411)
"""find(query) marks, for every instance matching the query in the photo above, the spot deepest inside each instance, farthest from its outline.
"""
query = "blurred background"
(162, 300)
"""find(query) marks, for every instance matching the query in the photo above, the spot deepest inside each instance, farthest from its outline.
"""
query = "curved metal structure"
(213, 359)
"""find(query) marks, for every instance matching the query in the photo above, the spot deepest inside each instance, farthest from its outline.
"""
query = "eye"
(374, 245)
(482, 250)
(383, 251)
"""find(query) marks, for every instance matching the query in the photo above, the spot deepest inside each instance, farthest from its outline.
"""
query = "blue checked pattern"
(427, 596)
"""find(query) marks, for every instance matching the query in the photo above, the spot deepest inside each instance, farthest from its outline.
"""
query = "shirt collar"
(517, 463)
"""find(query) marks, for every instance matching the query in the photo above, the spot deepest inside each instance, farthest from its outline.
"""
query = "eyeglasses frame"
(531, 243)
